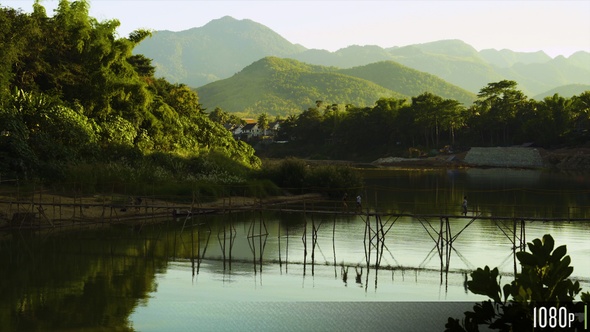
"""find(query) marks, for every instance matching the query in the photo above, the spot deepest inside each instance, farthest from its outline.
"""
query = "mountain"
(225, 46)
(567, 91)
(507, 58)
(540, 77)
(452, 60)
(408, 81)
(280, 86)
(348, 57)
(214, 51)
(580, 59)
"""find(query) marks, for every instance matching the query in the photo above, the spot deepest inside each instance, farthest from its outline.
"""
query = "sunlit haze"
(555, 27)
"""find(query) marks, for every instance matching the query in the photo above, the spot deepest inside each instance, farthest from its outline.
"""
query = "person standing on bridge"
(464, 205)
(358, 203)
(344, 199)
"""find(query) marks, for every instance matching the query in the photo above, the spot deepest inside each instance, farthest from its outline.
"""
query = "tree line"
(501, 116)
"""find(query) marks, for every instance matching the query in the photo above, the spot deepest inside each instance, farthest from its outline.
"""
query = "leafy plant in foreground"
(543, 282)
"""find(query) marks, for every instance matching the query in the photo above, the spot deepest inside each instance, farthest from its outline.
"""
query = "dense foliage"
(72, 93)
(501, 116)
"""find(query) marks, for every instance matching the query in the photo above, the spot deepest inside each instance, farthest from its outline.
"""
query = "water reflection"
(70, 281)
(111, 278)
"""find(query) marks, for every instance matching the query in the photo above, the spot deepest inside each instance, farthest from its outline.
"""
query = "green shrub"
(543, 282)
(333, 180)
(296, 176)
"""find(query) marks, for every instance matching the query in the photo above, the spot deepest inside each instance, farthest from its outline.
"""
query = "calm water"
(271, 271)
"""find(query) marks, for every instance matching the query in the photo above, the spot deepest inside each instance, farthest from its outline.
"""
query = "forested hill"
(224, 46)
(280, 86)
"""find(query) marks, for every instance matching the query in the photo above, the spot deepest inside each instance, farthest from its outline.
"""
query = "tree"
(263, 122)
(219, 116)
(581, 116)
(142, 65)
(497, 107)
(453, 116)
(427, 109)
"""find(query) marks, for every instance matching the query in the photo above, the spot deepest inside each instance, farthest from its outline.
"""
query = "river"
(281, 270)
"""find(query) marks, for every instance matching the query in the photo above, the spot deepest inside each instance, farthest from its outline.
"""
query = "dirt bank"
(570, 159)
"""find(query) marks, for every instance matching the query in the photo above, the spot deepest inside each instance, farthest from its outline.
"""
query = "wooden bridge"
(39, 214)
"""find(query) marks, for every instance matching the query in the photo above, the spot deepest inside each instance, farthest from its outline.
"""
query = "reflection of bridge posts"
(304, 239)
(261, 244)
(223, 244)
(199, 257)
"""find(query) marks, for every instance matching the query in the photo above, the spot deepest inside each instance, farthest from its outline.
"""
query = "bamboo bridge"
(39, 214)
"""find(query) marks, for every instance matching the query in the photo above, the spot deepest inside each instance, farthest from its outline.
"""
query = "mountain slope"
(348, 57)
(537, 77)
(506, 58)
(408, 81)
(217, 50)
(282, 86)
(452, 60)
(567, 91)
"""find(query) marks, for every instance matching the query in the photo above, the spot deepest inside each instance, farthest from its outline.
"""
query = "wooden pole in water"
(449, 242)
(514, 244)
(440, 248)
(260, 239)
(304, 238)
(376, 242)
(287, 251)
(523, 236)
(279, 240)
(334, 245)
(193, 251)
(313, 242)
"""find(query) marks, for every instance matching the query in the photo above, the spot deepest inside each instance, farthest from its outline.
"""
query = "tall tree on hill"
(497, 107)
(428, 116)
(453, 116)
(581, 115)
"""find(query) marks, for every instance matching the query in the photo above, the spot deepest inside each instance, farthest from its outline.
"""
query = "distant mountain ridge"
(214, 51)
(225, 46)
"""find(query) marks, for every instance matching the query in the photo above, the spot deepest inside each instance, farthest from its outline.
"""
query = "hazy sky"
(556, 27)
